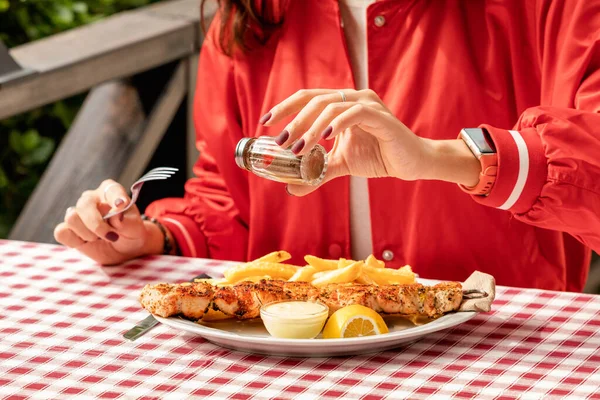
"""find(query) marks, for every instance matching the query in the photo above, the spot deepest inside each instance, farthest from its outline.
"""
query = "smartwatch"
(480, 143)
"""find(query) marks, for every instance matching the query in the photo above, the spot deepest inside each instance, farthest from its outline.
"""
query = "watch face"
(481, 139)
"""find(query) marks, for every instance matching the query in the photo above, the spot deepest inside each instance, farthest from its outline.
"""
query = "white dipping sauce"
(295, 309)
(294, 319)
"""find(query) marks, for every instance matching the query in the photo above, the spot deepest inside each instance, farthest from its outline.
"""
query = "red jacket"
(528, 71)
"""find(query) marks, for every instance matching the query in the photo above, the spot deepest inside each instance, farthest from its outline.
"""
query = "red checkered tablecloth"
(62, 319)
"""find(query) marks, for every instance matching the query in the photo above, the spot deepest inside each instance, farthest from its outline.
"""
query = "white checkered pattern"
(63, 318)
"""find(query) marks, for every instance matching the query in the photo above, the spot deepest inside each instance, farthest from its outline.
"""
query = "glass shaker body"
(267, 159)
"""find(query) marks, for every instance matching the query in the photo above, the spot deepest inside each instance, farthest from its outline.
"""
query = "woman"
(531, 210)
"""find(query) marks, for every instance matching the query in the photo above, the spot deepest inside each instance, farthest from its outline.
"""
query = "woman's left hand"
(369, 140)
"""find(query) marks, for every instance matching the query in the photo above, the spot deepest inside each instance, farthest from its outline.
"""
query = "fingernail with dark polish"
(119, 201)
(265, 118)
(283, 136)
(327, 132)
(112, 236)
(298, 146)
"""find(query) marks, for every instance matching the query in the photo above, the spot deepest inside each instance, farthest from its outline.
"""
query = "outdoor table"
(62, 319)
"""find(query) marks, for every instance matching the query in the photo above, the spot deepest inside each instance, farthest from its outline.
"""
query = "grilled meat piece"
(243, 300)
(416, 299)
(188, 299)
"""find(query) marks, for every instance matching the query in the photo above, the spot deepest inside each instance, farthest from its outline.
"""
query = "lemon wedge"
(354, 321)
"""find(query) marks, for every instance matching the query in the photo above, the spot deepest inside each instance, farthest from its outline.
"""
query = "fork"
(156, 174)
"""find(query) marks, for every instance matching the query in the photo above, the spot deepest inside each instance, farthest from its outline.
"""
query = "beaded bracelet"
(167, 245)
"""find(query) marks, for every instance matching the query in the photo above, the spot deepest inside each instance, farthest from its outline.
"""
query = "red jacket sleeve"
(549, 164)
(207, 222)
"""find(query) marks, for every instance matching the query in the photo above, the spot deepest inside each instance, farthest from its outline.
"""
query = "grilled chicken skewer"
(243, 300)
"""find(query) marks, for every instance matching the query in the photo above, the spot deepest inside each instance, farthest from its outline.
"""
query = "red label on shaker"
(267, 160)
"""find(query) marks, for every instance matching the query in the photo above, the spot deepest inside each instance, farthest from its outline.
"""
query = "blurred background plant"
(28, 141)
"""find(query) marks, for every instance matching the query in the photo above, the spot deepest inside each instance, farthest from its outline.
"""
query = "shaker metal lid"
(239, 152)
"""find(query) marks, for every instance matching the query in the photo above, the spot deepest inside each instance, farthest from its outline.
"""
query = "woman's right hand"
(116, 240)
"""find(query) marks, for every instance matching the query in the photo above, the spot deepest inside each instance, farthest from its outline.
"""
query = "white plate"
(252, 337)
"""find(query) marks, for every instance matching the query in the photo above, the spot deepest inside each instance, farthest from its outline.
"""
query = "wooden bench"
(112, 136)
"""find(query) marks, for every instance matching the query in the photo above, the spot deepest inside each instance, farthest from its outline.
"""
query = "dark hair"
(244, 24)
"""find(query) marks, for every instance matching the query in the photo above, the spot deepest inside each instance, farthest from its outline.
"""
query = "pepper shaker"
(265, 158)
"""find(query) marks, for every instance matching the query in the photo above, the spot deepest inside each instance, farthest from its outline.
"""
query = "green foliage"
(28, 141)
(22, 21)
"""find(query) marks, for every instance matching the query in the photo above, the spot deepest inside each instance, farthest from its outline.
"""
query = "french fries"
(319, 271)
(387, 276)
(365, 279)
(371, 261)
(318, 275)
(256, 268)
(320, 264)
(340, 275)
(305, 274)
(275, 257)
(343, 263)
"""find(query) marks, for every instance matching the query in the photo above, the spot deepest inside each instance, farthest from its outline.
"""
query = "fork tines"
(158, 173)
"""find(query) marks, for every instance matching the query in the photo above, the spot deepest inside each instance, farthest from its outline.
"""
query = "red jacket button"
(379, 21)
(387, 255)
(335, 251)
